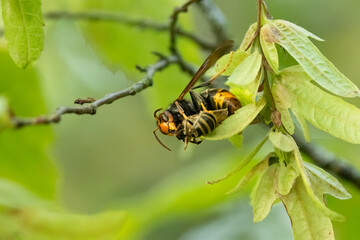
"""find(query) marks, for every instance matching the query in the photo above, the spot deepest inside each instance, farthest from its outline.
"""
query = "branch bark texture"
(91, 108)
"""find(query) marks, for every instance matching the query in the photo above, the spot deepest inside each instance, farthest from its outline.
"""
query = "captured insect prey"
(189, 120)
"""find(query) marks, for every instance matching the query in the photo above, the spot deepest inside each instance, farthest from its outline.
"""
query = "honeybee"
(189, 120)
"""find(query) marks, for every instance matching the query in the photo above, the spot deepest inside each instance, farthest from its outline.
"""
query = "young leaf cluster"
(310, 91)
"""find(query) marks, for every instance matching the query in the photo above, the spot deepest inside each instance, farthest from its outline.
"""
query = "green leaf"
(268, 47)
(237, 140)
(266, 193)
(31, 167)
(24, 33)
(287, 175)
(281, 141)
(237, 58)
(301, 30)
(287, 120)
(315, 200)
(248, 37)
(304, 126)
(255, 171)
(325, 183)
(13, 195)
(35, 218)
(283, 103)
(49, 224)
(306, 220)
(316, 65)
(237, 122)
(324, 111)
(247, 71)
(247, 93)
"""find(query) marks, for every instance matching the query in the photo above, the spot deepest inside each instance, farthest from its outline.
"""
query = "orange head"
(166, 124)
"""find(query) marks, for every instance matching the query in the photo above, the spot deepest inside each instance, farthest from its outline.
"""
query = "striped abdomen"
(221, 99)
(203, 123)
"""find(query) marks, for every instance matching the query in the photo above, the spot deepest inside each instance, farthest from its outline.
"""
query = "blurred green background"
(110, 162)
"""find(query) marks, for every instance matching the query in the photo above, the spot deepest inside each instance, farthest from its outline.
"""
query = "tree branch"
(91, 108)
(173, 35)
(173, 24)
(329, 161)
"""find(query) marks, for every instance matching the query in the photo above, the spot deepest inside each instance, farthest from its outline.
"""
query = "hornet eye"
(163, 118)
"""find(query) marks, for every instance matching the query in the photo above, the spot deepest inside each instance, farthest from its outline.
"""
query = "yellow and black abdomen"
(217, 98)
(203, 124)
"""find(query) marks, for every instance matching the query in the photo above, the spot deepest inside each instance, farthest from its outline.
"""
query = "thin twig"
(173, 36)
(82, 101)
(258, 27)
(126, 20)
(173, 24)
(329, 161)
(216, 19)
(91, 108)
(141, 23)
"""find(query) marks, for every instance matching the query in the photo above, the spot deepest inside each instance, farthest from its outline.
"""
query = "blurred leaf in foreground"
(27, 216)
(24, 155)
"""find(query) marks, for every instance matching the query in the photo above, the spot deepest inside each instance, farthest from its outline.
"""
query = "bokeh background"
(110, 162)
